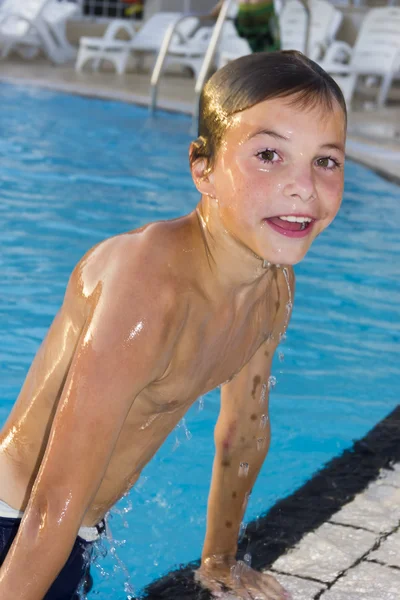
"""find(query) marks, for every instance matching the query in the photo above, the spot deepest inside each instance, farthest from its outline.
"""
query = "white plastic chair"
(325, 22)
(56, 14)
(146, 39)
(19, 29)
(191, 53)
(107, 47)
(376, 53)
(23, 28)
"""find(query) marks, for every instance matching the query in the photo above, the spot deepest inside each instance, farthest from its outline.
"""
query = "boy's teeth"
(296, 219)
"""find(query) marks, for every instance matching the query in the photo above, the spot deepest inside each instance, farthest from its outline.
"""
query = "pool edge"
(312, 505)
(165, 105)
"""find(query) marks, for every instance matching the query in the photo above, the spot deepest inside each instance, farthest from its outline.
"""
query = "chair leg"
(347, 84)
(51, 49)
(121, 60)
(96, 63)
(58, 31)
(82, 57)
(139, 59)
(384, 89)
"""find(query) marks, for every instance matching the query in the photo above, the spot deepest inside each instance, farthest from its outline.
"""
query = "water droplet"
(148, 422)
(247, 559)
(263, 393)
(263, 421)
(201, 403)
(271, 382)
(243, 469)
(281, 356)
(129, 589)
(242, 531)
(261, 443)
(289, 304)
(186, 430)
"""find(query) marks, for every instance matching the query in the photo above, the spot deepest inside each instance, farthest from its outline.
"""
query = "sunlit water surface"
(74, 171)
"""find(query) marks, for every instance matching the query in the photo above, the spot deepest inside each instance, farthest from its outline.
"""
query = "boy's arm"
(242, 438)
(115, 358)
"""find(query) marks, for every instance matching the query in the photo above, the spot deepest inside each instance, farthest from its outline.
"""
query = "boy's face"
(278, 177)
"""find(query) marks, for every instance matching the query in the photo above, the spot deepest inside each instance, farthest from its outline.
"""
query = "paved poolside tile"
(377, 509)
(391, 477)
(301, 589)
(389, 551)
(326, 552)
(367, 581)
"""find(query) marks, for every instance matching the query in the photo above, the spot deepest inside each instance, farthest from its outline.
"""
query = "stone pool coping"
(335, 538)
(353, 556)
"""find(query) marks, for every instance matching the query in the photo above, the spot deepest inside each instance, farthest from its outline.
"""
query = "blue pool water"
(74, 171)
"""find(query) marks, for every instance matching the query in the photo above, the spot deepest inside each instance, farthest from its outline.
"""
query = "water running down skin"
(152, 320)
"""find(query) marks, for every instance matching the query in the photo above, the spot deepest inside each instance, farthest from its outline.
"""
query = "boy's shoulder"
(126, 265)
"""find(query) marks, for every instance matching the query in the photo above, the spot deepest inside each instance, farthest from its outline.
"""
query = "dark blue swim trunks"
(75, 574)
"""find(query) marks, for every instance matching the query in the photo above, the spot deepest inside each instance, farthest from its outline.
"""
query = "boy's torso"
(215, 341)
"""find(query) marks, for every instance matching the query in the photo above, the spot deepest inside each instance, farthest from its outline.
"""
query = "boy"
(156, 317)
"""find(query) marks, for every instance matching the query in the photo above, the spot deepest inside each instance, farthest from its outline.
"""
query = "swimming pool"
(76, 170)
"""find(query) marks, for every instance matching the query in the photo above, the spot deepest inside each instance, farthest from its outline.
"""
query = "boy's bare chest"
(211, 352)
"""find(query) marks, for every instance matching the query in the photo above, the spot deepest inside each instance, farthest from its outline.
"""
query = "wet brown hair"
(251, 79)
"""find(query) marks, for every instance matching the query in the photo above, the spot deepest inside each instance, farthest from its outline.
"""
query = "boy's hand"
(233, 580)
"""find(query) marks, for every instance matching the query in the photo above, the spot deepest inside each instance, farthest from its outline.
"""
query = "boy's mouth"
(291, 225)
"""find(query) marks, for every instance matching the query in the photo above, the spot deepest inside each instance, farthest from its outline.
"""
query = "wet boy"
(154, 318)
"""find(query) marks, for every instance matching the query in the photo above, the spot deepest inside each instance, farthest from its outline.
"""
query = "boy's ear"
(203, 177)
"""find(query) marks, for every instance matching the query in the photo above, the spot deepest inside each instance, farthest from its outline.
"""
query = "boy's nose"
(301, 186)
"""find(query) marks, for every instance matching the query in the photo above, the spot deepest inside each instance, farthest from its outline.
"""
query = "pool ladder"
(208, 57)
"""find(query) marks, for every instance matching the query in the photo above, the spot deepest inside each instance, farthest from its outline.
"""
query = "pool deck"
(353, 556)
(374, 135)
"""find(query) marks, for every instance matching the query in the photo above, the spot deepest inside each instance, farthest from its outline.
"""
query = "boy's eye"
(327, 162)
(267, 155)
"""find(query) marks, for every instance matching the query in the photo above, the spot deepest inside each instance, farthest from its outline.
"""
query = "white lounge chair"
(56, 15)
(25, 29)
(325, 22)
(376, 53)
(147, 39)
(191, 53)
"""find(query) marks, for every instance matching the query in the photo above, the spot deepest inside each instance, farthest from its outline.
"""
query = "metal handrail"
(306, 6)
(208, 57)
(159, 65)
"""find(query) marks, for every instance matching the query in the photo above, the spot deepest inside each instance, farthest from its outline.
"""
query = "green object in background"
(258, 24)
(135, 8)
